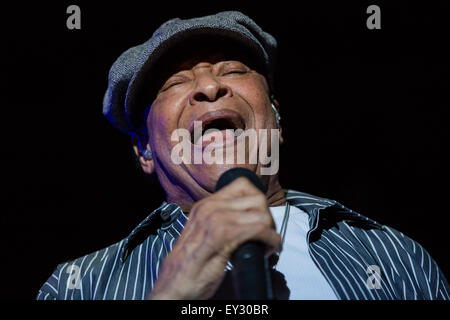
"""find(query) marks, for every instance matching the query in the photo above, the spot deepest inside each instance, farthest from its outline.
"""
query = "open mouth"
(225, 121)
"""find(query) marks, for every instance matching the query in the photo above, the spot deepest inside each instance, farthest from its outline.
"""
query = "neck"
(275, 196)
(277, 199)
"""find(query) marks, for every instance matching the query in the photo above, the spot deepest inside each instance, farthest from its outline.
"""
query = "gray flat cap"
(129, 70)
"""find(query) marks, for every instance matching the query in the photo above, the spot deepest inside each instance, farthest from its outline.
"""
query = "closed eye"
(236, 71)
(233, 68)
(233, 71)
(172, 82)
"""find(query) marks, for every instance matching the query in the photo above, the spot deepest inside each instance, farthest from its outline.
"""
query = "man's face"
(222, 91)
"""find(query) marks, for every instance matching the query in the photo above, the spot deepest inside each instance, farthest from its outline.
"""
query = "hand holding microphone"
(251, 277)
(217, 226)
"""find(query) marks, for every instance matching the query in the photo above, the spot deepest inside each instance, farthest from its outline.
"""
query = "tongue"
(217, 138)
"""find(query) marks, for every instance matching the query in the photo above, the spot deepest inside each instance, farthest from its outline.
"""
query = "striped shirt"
(359, 257)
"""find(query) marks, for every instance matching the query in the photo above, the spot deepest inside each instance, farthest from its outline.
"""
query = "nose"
(208, 88)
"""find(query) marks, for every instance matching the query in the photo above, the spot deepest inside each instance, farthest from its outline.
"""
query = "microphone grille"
(234, 173)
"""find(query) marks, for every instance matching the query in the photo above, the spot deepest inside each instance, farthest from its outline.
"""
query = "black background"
(365, 122)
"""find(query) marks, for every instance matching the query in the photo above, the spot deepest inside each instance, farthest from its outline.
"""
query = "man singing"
(209, 80)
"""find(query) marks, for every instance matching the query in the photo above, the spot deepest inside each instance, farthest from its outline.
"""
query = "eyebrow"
(185, 69)
(202, 66)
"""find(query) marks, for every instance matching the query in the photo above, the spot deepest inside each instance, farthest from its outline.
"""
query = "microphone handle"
(250, 274)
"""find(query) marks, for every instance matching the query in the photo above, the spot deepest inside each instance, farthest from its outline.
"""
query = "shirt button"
(165, 214)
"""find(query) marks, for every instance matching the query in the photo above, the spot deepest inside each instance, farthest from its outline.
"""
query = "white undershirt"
(303, 278)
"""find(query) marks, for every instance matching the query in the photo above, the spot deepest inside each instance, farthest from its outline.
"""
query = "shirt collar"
(322, 210)
(169, 216)
(162, 217)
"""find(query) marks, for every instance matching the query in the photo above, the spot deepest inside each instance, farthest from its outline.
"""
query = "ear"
(277, 105)
(147, 165)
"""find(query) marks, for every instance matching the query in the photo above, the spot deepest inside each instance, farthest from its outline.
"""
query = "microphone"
(250, 274)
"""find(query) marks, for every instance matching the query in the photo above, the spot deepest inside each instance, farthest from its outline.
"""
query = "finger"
(249, 218)
(246, 203)
(256, 201)
(256, 232)
(225, 226)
